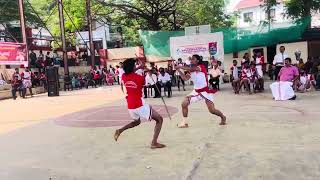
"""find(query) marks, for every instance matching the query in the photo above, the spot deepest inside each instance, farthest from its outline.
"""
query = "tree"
(151, 11)
(301, 8)
(9, 12)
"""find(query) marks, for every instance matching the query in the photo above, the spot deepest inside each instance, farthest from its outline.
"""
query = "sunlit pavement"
(70, 137)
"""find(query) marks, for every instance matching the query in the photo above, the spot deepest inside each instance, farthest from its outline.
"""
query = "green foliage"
(9, 12)
(301, 8)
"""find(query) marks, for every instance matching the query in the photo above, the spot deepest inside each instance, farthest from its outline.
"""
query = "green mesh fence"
(157, 43)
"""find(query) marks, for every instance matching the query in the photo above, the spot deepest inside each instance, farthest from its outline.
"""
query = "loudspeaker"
(52, 74)
(52, 81)
(53, 89)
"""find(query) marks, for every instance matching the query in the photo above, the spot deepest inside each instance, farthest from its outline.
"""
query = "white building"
(252, 13)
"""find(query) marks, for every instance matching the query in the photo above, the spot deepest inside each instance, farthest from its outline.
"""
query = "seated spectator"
(300, 65)
(287, 79)
(151, 80)
(164, 80)
(254, 79)
(235, 80)
(96, 78)
(16, 86)
(304, 83)
(215, 74)
(246, 77)
(35, 79)
(67, 83)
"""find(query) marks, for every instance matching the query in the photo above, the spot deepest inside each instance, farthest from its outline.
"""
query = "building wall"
(228, 59)
(260, 15)
(292, 47)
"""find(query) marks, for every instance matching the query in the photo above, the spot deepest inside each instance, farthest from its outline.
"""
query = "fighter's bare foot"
(182, 125)
(223, 121)
(157, 145)
(116, 135)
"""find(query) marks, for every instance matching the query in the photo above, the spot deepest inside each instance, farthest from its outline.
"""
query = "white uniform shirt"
(279, 59)
(164, 79)
(215, 72)
(199, 78)
(150, 80)
(121, 72)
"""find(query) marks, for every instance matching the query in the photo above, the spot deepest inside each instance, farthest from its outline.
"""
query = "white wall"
(260, 15)
(292, 47)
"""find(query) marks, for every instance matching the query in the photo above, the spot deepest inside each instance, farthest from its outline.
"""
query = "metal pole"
(23, 28)
(63, 37)
(89, 19)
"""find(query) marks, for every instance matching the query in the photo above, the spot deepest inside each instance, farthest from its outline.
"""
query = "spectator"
(178, 77)
(48, 61)
(300, 65)
(246, 60)
(151, 80)
(235, 77)
(164, 81)
(215, 74)
(16, 84)
(26, 81)
(33, 58)
(43, 80)
(245, 77)
(288, 76)
(279, 60)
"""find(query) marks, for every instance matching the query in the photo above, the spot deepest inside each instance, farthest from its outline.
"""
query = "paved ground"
(67, 138)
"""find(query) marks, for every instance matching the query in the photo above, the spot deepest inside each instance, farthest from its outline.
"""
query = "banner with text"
(13, 54)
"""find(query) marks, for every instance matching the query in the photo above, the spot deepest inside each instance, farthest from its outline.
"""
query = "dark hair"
(235, 61)
(282, 47)
(289, 59)
(129, 65)
(198, 58)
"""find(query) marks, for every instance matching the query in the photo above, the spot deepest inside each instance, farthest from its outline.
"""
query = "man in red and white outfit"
(259, 66)
(138, 109)
(201, 90)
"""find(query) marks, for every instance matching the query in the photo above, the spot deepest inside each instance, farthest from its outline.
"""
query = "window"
(272, 14)
(248, 17)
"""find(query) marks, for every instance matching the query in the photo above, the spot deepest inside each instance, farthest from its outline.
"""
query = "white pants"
(282, 90)
(196, 97)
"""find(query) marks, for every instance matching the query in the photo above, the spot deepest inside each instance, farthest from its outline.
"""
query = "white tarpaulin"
(205, 45)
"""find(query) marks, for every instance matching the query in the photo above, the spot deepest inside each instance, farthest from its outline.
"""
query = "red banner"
(13, 54)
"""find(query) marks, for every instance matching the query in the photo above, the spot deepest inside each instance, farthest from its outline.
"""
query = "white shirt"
(121, 72)
(188, 62)
(199, 78)
(150, 80)
(279, 59)
(165, 78)
(215, 72)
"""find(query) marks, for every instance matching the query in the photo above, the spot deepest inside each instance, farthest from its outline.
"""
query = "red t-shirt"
(134, 84)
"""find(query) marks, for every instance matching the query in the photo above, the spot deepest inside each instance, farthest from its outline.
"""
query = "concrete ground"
(66, 138)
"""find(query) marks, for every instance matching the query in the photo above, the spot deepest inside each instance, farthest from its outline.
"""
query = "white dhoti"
(282, 90)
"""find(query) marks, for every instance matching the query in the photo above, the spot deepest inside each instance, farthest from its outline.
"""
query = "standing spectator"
(246, 60)
(235, 77)
(165, 81)
(40, 61)
(26, 81)
(48, 61)
(33, 58)
(178, 77)
(279, 60)
(120, 72)
(85, 56)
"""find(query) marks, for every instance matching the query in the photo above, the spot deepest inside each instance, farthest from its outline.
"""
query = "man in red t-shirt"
(138, 109)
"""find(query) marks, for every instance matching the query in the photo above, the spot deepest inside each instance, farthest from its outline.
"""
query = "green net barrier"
(157, 43)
